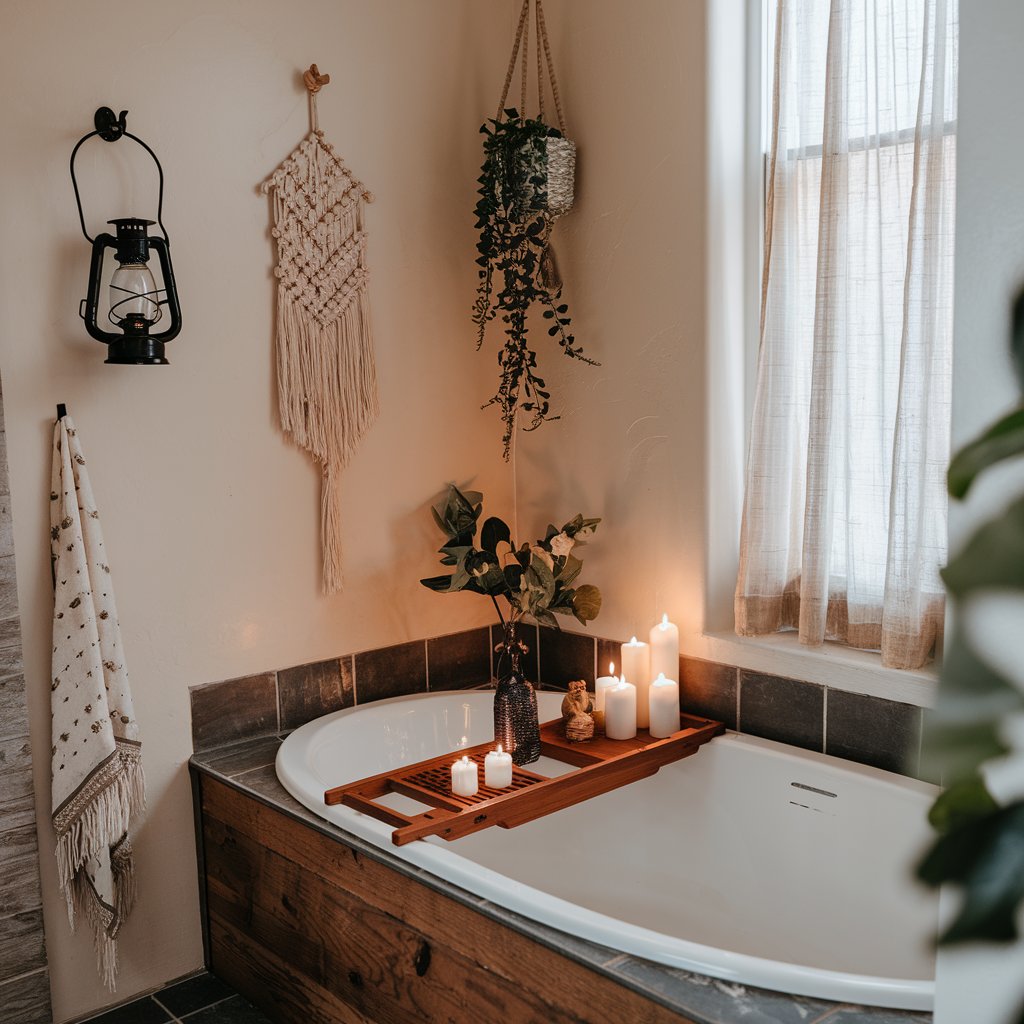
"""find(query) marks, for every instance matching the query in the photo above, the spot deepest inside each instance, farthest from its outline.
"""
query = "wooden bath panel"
(315, 932)
(603, 765)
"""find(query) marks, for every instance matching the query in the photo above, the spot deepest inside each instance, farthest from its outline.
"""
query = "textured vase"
(516, 726)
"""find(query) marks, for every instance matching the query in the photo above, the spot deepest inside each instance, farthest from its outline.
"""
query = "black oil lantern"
(136, 303)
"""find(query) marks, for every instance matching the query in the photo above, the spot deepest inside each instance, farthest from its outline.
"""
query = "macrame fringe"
(327, 390)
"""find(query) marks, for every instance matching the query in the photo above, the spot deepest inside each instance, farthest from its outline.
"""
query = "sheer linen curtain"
(844, 521)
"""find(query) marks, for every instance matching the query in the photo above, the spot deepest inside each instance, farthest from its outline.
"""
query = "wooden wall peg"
(314, 80)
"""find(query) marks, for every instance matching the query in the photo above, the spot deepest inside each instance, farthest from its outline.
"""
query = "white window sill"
(841, 668)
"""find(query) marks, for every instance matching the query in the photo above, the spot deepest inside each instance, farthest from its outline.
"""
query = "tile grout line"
(824, 720)
(355, 692)
(426, 663)
(739, 686)
(277, 701)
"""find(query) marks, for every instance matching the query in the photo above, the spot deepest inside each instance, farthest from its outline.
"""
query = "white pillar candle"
(664, 707)
(465, 778)
(498, 769)
(604, 683)
(665, 649)
(636, 668)
(620, 711)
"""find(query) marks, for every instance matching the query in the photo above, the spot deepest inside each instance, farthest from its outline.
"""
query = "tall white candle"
(604, 683)
(636, 668)
(498, 769)
(665, 649)
(620, 711)
(465, 777)
(664, 707)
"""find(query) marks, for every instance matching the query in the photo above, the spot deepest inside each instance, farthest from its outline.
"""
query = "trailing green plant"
(980, 712)
(534, 579)
(516, 268)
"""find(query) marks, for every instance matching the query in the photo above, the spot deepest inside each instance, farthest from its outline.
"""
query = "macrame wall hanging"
(326, 375)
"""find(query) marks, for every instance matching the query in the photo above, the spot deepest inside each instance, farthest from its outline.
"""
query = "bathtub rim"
(434, 857)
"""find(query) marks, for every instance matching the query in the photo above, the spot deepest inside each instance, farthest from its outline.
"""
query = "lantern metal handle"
(110, 128)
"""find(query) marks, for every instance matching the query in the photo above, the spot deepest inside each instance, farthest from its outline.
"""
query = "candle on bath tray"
(636, 669)
(665, 649)
(604, 683)
(465, 777)
(664, 707)
(620, 711)
(498, 769)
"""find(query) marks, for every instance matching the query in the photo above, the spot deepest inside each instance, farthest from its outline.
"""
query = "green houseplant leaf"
(1003, 440)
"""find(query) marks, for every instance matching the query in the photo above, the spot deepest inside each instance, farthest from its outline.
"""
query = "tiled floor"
(202, 999)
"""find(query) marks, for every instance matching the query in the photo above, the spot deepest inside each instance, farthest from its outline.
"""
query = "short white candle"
(498, 769)
(620, 711)
(636, 667)
(604, 683)
(664, 707)
(665, 649)
(465, 778)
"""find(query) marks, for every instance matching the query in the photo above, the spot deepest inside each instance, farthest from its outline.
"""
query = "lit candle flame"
(632, 640)
(465, 759)
(499, 748)
(611, 668)
(664, 621)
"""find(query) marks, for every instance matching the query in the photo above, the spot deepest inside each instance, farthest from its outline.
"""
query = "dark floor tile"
(459, 661)
(708, 689)
(193, 994)
(873, 731)
(235, 1010)
(26, 1000)
(244, 756)
(391, 671)
(566, 656)
(709, 1000)
(311, 691)
(529, 662)
(142, 1011)
(608, 652)
(21, 944)
(234, 709)
(782, 709)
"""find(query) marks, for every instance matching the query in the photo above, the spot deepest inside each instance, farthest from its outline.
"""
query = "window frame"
(735, 264)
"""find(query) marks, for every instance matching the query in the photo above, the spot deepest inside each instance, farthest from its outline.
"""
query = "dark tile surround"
(869, 730)
(700, 999)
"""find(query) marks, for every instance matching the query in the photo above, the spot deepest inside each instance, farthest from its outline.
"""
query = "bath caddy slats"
(602, 765)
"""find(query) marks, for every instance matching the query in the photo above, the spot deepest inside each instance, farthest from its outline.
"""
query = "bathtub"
(751, 861)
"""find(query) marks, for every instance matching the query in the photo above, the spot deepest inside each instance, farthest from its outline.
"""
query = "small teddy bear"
(576, 708)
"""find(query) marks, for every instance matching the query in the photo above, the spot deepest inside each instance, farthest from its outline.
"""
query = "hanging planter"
(526, 184)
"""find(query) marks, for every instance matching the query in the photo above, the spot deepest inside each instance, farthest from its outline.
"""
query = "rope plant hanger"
(526, 184)
(326, 375)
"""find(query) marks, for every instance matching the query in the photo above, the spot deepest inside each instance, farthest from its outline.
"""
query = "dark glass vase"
(516, 726)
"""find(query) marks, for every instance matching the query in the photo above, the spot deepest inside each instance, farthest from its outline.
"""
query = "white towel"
(97, 781)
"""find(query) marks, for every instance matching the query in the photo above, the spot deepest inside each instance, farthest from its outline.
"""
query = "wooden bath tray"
(603, 765)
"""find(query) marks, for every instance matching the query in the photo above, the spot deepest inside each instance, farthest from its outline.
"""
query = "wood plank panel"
(283, 884)
(370, 960)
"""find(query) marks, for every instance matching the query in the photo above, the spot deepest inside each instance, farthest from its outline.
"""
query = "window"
(844, 521)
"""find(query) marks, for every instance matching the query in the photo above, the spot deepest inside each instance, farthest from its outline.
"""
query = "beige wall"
(210, 516)
(630, 444)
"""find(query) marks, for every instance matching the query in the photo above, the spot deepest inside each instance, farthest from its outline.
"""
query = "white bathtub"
(750, 861)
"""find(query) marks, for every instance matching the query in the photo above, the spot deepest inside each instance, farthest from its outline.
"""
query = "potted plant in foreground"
(534, 580)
